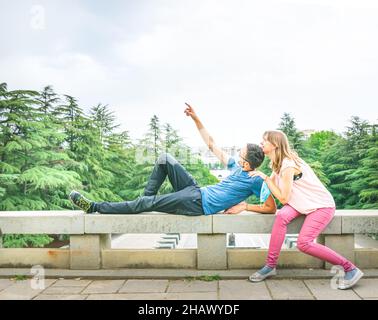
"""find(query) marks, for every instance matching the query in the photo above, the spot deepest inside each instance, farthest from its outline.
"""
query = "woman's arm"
(222, 156)
(283, 195)
(269, 206)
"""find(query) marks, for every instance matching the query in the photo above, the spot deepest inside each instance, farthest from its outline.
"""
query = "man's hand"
(257, 173)
(242, 206)
(218, 152)
(189, 111)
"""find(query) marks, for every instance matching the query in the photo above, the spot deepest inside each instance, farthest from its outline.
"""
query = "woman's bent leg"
(283, 218)
(314, 224)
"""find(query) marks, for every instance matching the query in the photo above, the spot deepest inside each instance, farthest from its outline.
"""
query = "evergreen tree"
(287, 125)
(72, 117)
(341, 162)
(31, 174)
(365, 178)
(104, 120)
(172, 140)
(29, 157)
(154, 134)
(48, 99)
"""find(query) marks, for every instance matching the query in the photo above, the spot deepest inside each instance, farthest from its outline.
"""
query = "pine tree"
(72, 117)
(31, 155)
(155, 135)
(296, 138)
(48, 99)
(365, 178)
(31, 171)
(104, 120)
(341, 162)
(172, 140)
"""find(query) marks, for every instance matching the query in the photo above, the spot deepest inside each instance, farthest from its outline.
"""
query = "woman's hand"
(237, 209)
(189, 111)
(258, 174)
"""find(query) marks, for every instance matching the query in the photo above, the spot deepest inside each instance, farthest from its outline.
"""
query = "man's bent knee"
(165, 158)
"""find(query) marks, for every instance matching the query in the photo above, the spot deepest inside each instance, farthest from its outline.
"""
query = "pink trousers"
(313, 225)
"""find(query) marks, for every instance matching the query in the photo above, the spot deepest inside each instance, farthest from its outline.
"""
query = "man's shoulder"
(256, 180)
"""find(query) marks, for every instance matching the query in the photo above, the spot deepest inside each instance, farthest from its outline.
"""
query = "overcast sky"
(241, 64)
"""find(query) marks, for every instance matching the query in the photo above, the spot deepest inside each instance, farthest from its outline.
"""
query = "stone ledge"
(359, 221)
(42, 222)
(247, 222)
(153, 222)
(75, 222)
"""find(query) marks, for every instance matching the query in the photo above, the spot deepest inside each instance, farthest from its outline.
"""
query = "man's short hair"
(255, 155)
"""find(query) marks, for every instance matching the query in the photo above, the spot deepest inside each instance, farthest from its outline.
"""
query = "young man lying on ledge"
(189, 198)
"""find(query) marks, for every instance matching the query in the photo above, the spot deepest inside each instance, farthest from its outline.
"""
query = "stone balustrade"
(90, 240)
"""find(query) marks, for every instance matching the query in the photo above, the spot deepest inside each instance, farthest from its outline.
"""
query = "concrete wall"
(90, 240)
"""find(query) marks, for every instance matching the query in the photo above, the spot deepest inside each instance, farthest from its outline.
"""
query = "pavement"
(184, 289)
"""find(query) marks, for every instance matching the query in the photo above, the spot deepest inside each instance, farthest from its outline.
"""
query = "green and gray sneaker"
(81, 201)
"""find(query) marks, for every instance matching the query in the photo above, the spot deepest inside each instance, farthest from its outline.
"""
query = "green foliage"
(207, 278)
(346, 163)
(295, 137)
(22, 241)
(49, 146)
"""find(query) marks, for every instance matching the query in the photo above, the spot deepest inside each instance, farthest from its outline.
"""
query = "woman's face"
(267, 146)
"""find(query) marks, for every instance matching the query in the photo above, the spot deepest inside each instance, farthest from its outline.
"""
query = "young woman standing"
(296, 186)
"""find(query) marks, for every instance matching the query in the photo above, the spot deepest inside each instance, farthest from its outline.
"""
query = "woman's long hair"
(283, 150)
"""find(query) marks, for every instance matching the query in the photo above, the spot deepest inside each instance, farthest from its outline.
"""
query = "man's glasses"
(243, 158)
(240, 156)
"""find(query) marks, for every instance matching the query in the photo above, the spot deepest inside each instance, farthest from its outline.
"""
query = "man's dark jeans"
(186, 199)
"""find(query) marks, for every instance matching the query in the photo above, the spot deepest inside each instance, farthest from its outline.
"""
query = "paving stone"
(367, 288)
(288, 290)
(104, 286)
(61, 297)
(322, 290)
(71, 283)
(192, 296)
(128, 296)
(22, 290)
(186, 290)
(140, 286)
(243, 290)
(63, 290)
(192, 286)
(5, 283)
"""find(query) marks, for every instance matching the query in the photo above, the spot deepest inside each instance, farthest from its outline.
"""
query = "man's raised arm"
(222, 156)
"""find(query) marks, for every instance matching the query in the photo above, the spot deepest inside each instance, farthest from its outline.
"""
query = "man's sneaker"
(350, 279)
(82, 202)
(262, 274)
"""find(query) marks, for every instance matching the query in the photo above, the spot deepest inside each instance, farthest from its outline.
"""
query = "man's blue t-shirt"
(232, 190)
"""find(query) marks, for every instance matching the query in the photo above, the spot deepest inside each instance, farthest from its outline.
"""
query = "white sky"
(242, 64)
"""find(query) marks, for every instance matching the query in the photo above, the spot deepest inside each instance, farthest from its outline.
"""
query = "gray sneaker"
(82, 202)
(262, 274)
(348, 283)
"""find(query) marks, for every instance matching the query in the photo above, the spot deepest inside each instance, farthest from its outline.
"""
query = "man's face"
(242, 159)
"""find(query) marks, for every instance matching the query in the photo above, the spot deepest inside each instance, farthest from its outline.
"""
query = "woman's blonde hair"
(283, 150)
